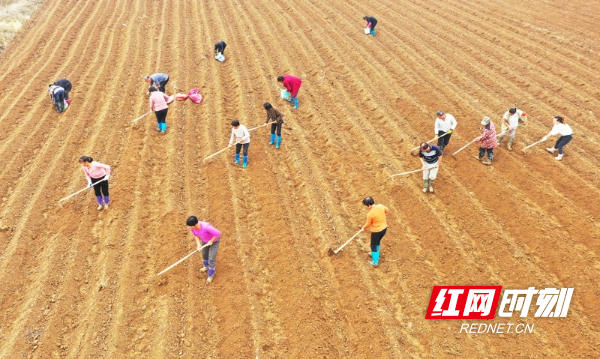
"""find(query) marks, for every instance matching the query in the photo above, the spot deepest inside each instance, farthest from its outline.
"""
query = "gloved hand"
(450, 131)
(90, 185)
(106, 177)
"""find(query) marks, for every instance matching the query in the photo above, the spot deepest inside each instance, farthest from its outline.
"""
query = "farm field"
(78, 283)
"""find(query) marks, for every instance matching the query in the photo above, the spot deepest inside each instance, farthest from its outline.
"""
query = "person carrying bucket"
(204, 232)
(371, 22)
(97, 172)
(292, 85)
(276, 119)
(376, 220)
(241, 136)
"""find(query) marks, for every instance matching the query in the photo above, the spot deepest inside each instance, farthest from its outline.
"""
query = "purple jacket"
(206, 232)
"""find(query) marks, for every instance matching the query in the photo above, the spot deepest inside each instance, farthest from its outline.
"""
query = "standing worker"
(445, 124)
(292, 85)
(371, 22)
(431, 158)
(488, 141)
(158, 80)
(220, 48)
(158, 104)
(204, 232)
(97, 172)
(566, 135)
(510, 122)
(276, 118)
(241, 136)
(67, 86)
(376, 220)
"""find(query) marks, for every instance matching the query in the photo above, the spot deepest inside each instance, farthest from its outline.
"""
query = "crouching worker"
(205, 234)
(58, 97)
(67, 86)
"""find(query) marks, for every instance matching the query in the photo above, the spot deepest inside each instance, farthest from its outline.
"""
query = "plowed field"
(78, 283)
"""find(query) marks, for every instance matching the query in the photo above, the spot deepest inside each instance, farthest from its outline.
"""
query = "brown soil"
(77, 283)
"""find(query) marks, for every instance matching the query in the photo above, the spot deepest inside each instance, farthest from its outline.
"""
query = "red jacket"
(292, 84)
(488, 136)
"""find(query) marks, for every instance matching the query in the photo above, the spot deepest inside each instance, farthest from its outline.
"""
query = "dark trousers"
(238, 147)
(376, 239)
(443, 141)
(220, 47)
(59, 100)
(373, 24)
(101, 189)
(161, 116)
(161, 86)
(562, 142)
(490, 152)
(276, 126)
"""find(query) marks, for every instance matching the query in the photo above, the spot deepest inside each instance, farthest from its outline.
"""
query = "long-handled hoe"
(332, 252)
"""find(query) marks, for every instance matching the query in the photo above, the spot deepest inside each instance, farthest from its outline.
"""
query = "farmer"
(66, 85)
(566, 135)
(376, 220)
(158, 80)
(58, 97)
(205, 233)
(97, 172)
(488, 141)
(276, 119)
(371, 22)
(158, 104)
(445, 124)
(292, 85)
(431, 158)
(241, 137)
(510, 122)
(220, 48)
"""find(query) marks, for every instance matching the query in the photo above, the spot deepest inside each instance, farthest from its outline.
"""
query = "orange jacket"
(376, 218)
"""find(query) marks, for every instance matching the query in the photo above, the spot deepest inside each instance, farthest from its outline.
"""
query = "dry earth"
(77, 283)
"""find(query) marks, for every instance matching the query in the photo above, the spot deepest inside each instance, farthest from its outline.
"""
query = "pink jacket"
(96, 170)
(292, 84)
(158, 101)
(488, 137)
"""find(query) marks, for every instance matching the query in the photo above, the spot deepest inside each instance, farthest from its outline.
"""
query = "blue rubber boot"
(272, 139)
(211, 274)
(295, 101)
(237, 158)
(372, 32)
(245, 162)
(278, 142)
(164, 128)
(378, 249)
(375, 261)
